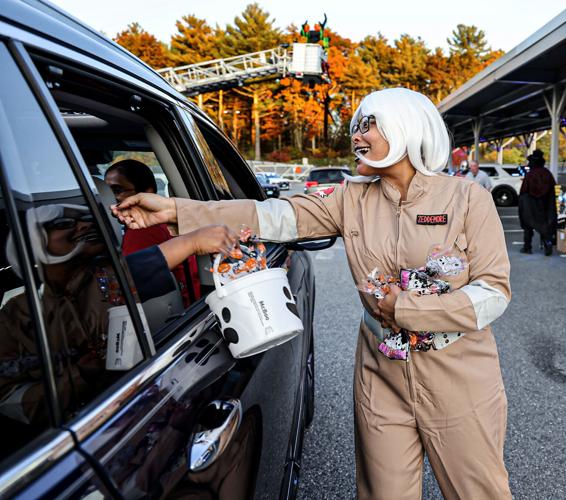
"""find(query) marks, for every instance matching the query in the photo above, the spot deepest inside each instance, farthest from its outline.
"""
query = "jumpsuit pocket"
(461, 242)
(362, 378)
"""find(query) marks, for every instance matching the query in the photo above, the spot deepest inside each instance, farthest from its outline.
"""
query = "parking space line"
(513, 231)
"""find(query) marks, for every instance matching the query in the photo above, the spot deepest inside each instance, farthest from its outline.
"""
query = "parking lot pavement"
(530, 337)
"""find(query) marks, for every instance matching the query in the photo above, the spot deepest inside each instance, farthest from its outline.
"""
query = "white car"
(506, 181)
(273, 178)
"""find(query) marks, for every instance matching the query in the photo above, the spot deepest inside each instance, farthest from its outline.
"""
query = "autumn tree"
(144, 45)
(195, 41)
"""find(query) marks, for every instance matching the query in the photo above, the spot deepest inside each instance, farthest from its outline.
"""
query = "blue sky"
(506, 22)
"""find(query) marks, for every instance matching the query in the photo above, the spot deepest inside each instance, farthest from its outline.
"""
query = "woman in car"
(448, 401)
(128, 177)
(79, 287)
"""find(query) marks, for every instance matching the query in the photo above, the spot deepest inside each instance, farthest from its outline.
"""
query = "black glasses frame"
(363, 124)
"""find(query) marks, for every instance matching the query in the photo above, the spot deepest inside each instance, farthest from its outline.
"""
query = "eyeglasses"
(61, 223)
(363, 125)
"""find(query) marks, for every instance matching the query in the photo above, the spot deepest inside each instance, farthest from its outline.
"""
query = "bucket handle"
(215, 276)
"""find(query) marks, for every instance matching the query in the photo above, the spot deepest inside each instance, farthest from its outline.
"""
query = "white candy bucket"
(256, 312)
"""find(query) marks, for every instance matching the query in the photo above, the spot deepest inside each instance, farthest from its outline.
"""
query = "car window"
(238, 175)
(490, 171)
(327, 176)
(128, 149)
(81, 303)
(23, 409)
(217, 176)
(515, 171)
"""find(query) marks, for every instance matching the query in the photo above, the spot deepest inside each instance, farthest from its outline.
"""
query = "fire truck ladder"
(237, 71)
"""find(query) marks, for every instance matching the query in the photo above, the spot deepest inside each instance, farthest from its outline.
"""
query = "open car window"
(129, 145)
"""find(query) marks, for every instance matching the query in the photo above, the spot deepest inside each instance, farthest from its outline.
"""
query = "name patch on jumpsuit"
(432, 220)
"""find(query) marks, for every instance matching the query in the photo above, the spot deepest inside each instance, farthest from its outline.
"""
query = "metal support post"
(555, 105)
(476, 128)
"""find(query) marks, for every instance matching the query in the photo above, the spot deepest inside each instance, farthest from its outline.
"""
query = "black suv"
(182, 418)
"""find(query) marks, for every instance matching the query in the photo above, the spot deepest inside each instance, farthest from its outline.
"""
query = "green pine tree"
(252, 32)
(469, 41)
(195, 41)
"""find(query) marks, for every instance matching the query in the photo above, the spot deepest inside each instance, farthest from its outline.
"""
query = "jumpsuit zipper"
(398, 266)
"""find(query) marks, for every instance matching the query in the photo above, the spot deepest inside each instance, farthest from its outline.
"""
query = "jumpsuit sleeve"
(287, 219)
(487, 294)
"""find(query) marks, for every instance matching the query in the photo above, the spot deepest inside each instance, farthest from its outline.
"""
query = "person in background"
(129, 177)
(479, 176)
(537, 204)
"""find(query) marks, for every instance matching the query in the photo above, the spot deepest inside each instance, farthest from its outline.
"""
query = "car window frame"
(169, 125)
(86, 185)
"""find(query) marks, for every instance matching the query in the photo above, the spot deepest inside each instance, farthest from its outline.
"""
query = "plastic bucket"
(255, 312)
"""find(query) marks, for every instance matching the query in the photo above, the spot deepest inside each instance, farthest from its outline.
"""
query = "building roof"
(509, 95)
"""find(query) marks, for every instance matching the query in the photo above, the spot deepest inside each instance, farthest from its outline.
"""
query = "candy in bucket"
(254, 305)
(248, 256)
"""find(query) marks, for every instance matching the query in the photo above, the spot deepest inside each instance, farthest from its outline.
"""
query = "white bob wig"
(411, 125)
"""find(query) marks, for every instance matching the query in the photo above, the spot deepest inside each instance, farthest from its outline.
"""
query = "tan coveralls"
(448, 402)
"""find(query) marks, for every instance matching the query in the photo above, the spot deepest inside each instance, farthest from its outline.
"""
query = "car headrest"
(107, 197)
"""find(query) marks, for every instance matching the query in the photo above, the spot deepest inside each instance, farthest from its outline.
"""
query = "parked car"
(276, 179)
(325, 177)
(270, 189)
(181, 417)
(506, 181)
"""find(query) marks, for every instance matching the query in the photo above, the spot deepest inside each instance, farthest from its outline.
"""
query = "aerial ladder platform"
(305, 61)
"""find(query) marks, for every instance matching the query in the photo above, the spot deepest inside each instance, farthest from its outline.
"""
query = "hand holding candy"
(424, 281)
(386, 308)
(247, 256)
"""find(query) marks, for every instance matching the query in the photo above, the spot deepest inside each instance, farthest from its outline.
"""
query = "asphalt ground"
(530, 337)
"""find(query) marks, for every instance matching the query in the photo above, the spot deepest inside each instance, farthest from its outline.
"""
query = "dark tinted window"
(491, 171)
(82, 304)
(515, 171)
(327, 176)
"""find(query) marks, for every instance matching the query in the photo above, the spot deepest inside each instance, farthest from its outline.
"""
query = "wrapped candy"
(248, 256)
(425, 281)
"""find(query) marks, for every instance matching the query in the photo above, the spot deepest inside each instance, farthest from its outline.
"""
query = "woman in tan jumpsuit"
(448, 401)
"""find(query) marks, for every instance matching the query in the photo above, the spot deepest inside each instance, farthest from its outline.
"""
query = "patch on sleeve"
(325, 193)
(432, 220)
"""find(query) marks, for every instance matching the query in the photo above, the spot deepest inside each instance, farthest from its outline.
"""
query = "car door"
(136, 427)
(277, 385)
(39, 457)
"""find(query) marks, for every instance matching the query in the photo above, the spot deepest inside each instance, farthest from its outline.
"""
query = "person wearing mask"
(479, 176)
(448, 401)
(128, 177)
(537, 204)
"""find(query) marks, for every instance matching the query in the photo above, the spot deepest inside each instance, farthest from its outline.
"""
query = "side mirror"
(312, 245)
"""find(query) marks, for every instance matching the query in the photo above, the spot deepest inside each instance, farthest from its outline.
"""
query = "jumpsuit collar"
(416, 189)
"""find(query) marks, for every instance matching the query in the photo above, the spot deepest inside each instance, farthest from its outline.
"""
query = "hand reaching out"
(144, 210)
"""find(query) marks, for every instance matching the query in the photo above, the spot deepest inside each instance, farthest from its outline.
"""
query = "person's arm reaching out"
(288, 219)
